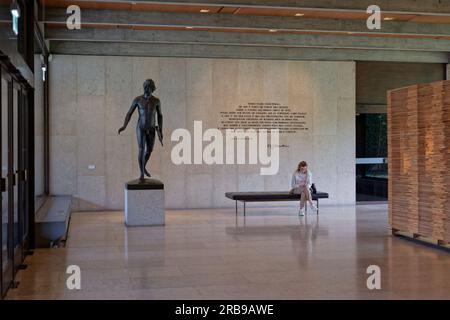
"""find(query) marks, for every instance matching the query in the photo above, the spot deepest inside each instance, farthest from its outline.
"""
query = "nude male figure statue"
(149, 123)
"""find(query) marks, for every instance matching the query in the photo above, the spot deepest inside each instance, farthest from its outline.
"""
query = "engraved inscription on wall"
(264, 115)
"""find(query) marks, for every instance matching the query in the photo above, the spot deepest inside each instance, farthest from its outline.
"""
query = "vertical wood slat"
(419, 158)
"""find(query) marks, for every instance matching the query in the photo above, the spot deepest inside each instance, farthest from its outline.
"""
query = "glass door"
(14, 181)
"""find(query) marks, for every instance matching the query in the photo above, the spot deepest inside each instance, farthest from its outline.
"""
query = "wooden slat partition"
(419, 160)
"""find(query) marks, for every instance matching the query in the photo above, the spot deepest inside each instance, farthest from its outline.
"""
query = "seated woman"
(301, 182)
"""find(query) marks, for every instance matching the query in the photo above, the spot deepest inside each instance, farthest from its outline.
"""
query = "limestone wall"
(90, 96)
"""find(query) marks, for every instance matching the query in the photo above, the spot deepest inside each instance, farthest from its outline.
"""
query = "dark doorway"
(371, 157)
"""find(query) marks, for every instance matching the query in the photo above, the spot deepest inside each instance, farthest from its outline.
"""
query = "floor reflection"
(272, 253)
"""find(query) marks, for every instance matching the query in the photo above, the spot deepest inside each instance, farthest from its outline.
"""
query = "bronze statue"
(149, 107)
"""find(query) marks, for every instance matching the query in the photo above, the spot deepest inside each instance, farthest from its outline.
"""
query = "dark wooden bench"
(271, 196)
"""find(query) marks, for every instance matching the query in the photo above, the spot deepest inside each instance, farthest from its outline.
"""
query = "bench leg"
(236, 207)
(317, 206)
(244, 208)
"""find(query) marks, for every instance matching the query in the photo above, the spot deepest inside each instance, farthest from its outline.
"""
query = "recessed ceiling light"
(299, 14)
(204, 10)
(273, 30)
(388, 19)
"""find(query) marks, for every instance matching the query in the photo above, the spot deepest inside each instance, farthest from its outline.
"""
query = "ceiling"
(245, 10)
(408, 26)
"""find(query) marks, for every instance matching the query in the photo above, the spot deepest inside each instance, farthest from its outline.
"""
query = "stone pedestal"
(144, 203)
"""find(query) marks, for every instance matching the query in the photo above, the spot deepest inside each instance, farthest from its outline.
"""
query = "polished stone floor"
(210, 254)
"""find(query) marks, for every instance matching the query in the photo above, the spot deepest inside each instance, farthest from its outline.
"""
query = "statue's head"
(149, 85)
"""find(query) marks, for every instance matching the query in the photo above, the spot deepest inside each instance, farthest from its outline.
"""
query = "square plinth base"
(144, 205)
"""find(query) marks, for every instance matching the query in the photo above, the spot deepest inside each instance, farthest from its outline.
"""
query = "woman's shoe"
(301, 212)
(314, 208)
